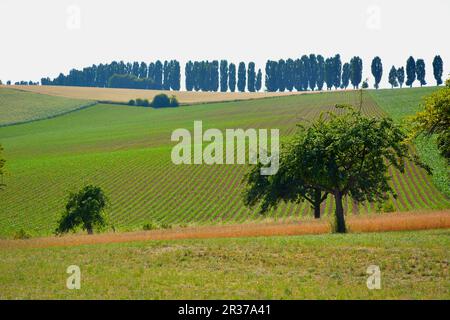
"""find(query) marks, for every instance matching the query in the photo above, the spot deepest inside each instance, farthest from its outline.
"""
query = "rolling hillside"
(125, 95)
(17, 106)
(126, 150)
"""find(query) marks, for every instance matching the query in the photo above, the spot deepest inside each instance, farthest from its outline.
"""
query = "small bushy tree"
(84, 209)
(162, 101)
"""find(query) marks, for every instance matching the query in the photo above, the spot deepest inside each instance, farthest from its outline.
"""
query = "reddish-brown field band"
(376, 223)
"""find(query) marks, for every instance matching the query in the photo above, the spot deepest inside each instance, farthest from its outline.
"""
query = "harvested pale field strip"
(389, 222)
(125, 95)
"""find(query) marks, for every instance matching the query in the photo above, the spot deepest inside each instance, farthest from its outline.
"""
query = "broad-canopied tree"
(420, 71)
(223, 75)
(251, 77)
(258, 82)
(345, 75)
(86, 208)
(393, 77)
(345, 154)
(232, 77)
(356, 71)
(401, 76)
(377, 70)
(241, 77)
(437, 69)
(320, 72)
(410, 71)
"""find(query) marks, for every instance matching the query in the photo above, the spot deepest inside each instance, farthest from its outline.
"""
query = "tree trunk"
(340, 220)
(89, 229)
(317, 202)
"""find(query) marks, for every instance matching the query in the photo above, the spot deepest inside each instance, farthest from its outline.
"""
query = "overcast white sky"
(45, 37)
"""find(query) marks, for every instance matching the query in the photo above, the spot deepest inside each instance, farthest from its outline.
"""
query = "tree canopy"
(420, 70)
(410, 71)
(344, 154)
(434, 118)
(84, 208)
(401, 76)
(393, 77)
(377, 70)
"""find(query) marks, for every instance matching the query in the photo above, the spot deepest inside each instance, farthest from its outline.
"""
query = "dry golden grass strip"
(388, 222)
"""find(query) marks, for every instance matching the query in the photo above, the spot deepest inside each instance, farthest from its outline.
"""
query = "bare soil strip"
(388, 222)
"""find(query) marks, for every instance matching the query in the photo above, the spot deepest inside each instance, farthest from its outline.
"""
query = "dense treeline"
(308, 72)
(312, 73)
(215, 76)
(154, 75)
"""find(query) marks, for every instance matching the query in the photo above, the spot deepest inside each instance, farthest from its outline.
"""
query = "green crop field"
(413, 265)
(400, 104)
(126, 151)
(18, 106)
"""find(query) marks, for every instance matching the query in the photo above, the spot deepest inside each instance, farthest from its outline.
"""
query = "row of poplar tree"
(155, 75)
(309, 72)
(415, 69)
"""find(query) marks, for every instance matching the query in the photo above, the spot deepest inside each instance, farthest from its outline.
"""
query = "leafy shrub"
(174, 101)
(163, 101)
(388, 206)
(142, 102)
(166, 225)
(131, 102)
(150, 226)
(22, 234)
(130, 82)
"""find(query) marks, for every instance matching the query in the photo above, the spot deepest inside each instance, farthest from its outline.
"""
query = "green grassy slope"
(19, 106)
(413, 265)
(126, 150)
(400, 104)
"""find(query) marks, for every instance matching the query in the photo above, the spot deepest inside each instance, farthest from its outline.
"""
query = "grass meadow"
(414, 265)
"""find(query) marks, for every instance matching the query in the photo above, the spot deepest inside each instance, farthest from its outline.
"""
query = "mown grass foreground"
(414, 265)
